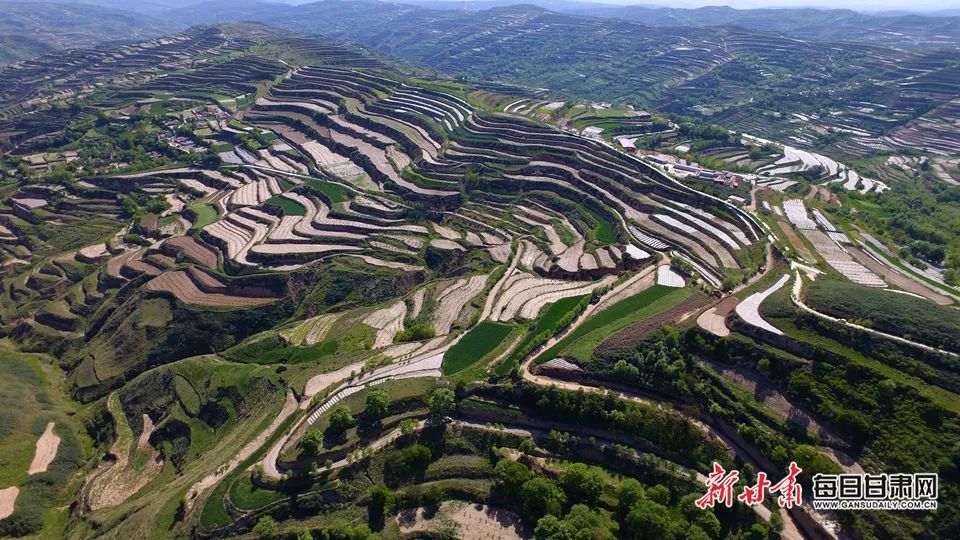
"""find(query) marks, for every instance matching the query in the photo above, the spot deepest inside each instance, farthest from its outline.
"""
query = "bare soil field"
(467, 521)
(713, 320)
(180, 285)
(453, 299)
(388, 321)
(796, 242)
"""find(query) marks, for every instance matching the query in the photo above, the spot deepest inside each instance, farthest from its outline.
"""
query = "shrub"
(377, 402)
(311, 442)
(416, 332)
(266, 528)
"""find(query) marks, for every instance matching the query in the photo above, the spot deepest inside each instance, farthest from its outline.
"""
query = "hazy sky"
(860, 5)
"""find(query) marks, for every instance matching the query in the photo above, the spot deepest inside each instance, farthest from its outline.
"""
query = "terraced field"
(290, 286)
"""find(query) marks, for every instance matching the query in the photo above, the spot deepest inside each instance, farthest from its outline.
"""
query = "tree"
(304, 534)
(380, 500)
(696, 533)
(646, 519)
(377, 401)
(586, 522)
(541, 496)
(311, 442)
(403, 464)
(582, 484)
(659, 494)
(511, 476)
(551, 528)
(340, 419)
(709, 524)
(629, 494)
(442, 403)
(266, 528)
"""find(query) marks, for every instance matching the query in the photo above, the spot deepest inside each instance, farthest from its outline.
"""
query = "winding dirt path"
(289, 407)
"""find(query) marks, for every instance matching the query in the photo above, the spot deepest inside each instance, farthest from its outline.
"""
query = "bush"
(407, 463)
(311, 442)
(442, 403)
(416, 332)
(266, 528)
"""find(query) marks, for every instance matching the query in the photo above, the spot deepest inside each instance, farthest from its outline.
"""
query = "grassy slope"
(898, 314)
(30, 397)
(150, 514)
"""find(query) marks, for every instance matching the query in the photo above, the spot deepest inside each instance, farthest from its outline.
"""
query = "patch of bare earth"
(47, 446)
(120, 481)
(8, 500)
(467, 521)
(185, 289)
(194, 250)
(714, 320)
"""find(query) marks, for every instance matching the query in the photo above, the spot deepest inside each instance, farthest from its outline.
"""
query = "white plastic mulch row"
(839, 237)
(561, 364)
(823, 221)
(647, 240)
(749, 309)
(857, 273)
(635, 252)
(797, 214)
(669, 277)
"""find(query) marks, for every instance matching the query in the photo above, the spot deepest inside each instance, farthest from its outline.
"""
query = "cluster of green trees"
(657, 363)
(648, 424)
(584, 501)
(415, 332)
(890, 422)
(267, 528)
(919, 214)
(406, 464)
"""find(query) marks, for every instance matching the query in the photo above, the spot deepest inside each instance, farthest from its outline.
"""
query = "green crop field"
(289, 207)
(604, 231)
(335, 193)
(582, 341)
(478, 342)
(547, 325)
(206, 215)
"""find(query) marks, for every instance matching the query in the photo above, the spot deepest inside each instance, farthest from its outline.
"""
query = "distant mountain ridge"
(917, 28)
(28, 29)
